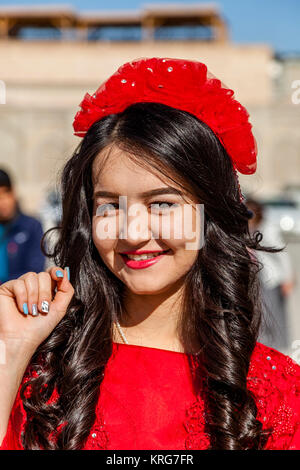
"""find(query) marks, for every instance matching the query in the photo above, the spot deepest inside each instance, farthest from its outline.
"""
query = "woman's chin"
(142, 289)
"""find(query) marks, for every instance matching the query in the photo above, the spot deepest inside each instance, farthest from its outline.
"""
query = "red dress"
(147, 401)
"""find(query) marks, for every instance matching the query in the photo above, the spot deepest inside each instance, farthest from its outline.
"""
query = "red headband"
(182, 84)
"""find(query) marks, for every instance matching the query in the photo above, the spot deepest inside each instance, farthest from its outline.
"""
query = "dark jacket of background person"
(21, 237)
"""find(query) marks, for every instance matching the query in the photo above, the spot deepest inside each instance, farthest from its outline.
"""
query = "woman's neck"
(147, 342)
(151, 320)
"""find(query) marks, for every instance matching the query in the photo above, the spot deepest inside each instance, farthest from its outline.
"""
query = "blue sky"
(276, 22)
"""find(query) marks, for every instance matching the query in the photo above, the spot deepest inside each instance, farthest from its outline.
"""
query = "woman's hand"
(47, 291)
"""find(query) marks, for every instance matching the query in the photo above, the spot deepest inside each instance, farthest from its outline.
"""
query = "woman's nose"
(136, 227)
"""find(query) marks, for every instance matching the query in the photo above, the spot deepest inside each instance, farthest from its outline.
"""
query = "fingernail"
(59, 274)
(25, 308)
(68, 272)
(34, 310)
(45, 306)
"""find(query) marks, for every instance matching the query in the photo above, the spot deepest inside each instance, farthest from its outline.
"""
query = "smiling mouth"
(145, 256)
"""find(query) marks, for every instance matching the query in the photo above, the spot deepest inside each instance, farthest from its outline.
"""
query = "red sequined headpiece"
(182, 84)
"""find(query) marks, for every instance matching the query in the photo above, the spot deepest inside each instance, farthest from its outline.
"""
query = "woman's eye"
(108, 208)
(163, 206)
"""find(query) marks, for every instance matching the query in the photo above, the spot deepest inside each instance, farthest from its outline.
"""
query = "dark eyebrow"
(152, 192)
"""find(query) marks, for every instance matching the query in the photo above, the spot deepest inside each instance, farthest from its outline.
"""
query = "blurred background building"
(51, 55)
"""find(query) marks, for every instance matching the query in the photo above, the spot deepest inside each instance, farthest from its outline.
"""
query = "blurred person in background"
(20, 235)
(277, 280)
(50, 213)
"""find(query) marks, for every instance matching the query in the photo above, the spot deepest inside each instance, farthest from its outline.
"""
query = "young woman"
(158, 353)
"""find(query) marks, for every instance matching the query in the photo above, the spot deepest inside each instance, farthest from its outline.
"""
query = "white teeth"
(142, 257)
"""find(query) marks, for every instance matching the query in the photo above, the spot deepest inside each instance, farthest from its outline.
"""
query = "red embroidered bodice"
(147, 401)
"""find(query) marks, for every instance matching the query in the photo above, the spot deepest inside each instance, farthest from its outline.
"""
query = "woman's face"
(8, 203)
(142, 222)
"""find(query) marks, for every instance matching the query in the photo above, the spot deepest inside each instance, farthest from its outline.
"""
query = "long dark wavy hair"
(221, 308)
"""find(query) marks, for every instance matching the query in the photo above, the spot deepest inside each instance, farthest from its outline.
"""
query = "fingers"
(64, 294)
(31, 282)
(39, 292)
(34, 293)
(24, 290)
(50, 282)
(45, 289)
(17, 289)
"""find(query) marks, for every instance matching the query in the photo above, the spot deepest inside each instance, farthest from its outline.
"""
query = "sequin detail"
(187, 85)
(98, 438)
